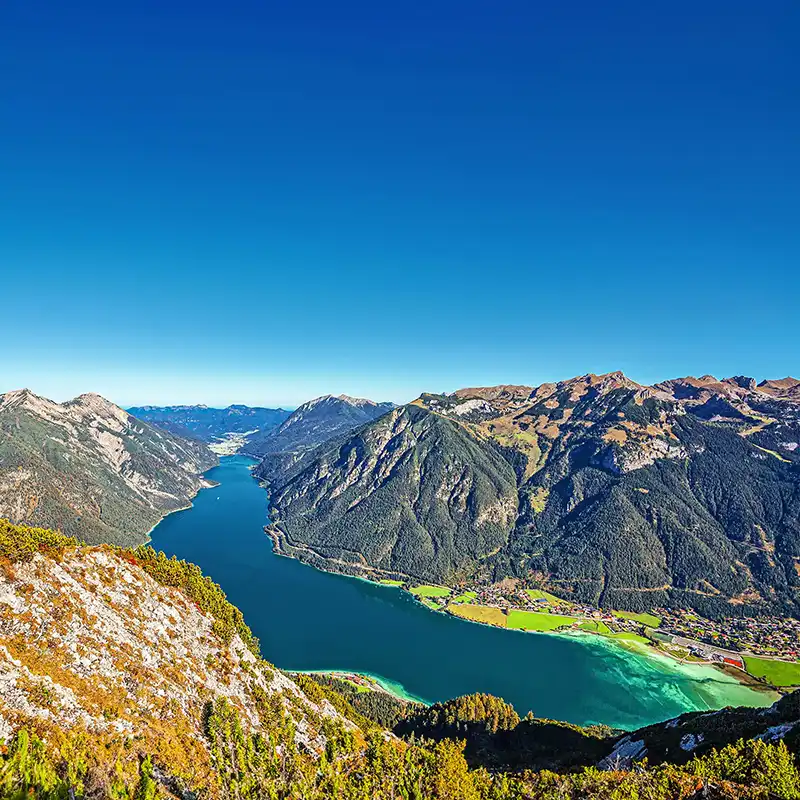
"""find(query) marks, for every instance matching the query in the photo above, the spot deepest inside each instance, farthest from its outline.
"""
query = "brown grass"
(485, 614)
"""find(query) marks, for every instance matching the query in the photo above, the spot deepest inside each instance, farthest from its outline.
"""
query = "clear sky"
(263, 202)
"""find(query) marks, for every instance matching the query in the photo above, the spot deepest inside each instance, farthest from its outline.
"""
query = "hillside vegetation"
(127, 675)
(685, 494)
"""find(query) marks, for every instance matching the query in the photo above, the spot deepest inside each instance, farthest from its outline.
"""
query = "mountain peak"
(93, 403)
(355, 401)
(781, 383)
(25, 398)
(605, 382)
(742, 381)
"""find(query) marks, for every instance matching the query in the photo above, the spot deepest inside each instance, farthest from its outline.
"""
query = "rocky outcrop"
(92, 645)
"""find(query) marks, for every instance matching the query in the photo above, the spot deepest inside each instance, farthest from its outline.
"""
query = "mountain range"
(210, 424)
(685, 493)
(125, 674)
(91, 469)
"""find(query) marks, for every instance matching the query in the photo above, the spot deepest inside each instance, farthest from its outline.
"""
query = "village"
(763, 648)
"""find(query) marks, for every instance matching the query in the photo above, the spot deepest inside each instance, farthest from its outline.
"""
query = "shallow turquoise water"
(312, 620)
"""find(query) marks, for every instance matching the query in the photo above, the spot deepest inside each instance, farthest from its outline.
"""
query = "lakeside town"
(760, 650)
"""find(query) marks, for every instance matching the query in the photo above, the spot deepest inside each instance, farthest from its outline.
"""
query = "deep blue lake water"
(312, 620)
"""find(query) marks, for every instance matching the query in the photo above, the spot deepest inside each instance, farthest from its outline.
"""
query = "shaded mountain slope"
(412, 493)
(686, 493)
(91, 469)
(314, 423)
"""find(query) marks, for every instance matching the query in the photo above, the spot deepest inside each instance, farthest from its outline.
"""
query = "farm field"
(540, 594)
(485, 614)
(430, 591)
(650, 620)
(778, 673)
(534, 621)
(595, 626)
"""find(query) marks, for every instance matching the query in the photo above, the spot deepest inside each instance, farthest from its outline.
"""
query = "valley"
(307, 619)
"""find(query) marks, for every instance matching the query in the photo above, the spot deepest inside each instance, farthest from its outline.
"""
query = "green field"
(467, 597)
(650, 620)
(533, 621)
(390, 582)
(778, 673)
(430, 603)
(595, 626)
(430, 591)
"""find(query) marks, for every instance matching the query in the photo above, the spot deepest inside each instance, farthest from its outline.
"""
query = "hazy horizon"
(291, 405)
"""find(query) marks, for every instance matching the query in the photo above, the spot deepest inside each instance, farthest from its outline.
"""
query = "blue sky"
(263, 202)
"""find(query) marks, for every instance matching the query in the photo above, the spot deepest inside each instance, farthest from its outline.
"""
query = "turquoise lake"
(312, 620)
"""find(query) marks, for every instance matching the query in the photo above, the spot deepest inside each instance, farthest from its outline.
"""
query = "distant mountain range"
(210, 424)
(312, 424)
(686, 493)
(91, 469)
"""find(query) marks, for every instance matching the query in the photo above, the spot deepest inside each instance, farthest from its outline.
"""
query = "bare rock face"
(91, 469)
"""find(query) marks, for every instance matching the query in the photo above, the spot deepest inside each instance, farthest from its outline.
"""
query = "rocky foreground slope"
(684, 494)
(127, 675)
(91, 469)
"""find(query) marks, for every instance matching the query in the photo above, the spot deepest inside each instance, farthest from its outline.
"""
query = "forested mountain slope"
(91, 469)
(314, 423)
(622, 495)
(421, 486)
(127, 675)
(210, 424)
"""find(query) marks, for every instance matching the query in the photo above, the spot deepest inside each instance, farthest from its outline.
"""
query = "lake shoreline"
(311, 620)
(282, 548)
(205, 483)
(380, 683)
